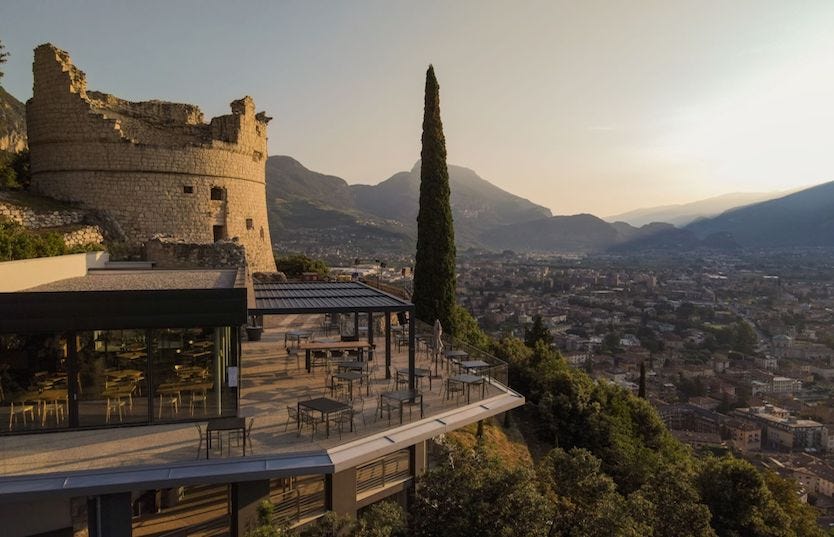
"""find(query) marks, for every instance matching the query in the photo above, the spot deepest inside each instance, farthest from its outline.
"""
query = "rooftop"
(319, 297)
(142, 280)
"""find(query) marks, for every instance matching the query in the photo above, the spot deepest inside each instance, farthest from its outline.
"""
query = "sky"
(581, 106)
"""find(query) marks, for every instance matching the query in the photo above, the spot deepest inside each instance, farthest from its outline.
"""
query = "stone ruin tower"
(154, 167)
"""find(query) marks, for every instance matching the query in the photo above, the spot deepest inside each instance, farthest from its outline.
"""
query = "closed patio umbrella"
(438, 343)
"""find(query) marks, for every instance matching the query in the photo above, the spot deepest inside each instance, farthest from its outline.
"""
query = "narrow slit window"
(250, 224)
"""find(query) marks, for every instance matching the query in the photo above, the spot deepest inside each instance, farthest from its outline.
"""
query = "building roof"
(117, 299)
(142, 280)
(321, 297)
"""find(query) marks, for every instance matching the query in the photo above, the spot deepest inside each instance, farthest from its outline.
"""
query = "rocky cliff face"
(12, 123)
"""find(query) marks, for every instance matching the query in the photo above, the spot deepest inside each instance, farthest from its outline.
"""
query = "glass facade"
(33, 382)
(102, 378)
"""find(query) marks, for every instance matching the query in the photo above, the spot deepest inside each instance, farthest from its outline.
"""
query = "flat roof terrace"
(272, 380)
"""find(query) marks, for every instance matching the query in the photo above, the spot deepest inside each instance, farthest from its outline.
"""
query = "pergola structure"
(353, 298)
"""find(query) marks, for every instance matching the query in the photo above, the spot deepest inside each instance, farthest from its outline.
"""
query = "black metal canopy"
(104, 300)
(322, 297)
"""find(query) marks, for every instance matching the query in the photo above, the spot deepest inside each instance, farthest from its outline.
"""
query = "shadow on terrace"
(348, 394)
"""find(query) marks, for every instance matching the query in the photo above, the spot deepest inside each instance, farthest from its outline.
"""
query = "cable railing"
(496, 369)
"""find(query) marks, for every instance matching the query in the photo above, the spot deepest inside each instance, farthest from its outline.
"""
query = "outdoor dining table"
(132, 355)
(454, 356)
(297, 336)
(349, 377)
(351, 366)
(468, 381)
(309, 346)
(473, 365)
(325, 407)
(403, 396)
(419, 372)
(225, 424)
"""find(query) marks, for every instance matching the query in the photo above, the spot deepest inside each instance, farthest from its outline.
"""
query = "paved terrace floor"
(270, 382)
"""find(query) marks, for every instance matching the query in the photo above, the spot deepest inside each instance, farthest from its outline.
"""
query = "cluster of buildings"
(736, 358)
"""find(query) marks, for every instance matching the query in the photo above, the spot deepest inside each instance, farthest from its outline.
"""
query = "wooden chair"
(171, 399)
(55, 408)
(116, 404)
(21, 409)
(199, 396)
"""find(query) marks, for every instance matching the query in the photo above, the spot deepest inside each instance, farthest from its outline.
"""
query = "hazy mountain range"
(301, 201)
(686, 213)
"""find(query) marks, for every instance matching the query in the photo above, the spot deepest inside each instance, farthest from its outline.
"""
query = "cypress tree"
(434, 267)
(641, 390)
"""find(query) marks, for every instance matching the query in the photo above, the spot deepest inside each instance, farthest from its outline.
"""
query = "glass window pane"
(112, 373)
(190, 373)
(33, 382)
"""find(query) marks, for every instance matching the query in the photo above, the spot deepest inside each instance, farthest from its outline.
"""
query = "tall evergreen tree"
(434, 268)
(537, 332)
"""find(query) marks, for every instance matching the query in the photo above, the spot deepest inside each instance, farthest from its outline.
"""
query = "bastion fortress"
(153, 167)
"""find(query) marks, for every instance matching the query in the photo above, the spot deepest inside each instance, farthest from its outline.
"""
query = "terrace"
(273, 381)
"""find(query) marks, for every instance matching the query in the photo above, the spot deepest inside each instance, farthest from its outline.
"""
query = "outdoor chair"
(248, 433)
(397, 381)
(359, 408)
(293, 353)
(307, 419)
(383, 405)
(345, 417)
(318, 359)
(452, 388)
(292, 417)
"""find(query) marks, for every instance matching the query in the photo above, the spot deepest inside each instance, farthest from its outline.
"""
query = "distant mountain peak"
(477, 204)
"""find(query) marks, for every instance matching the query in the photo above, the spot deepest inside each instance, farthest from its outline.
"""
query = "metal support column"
(387, 345)
(411, 351)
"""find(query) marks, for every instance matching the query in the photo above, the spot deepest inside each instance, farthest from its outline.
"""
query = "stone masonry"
(173, 253)
(76, 226)
(154, 167)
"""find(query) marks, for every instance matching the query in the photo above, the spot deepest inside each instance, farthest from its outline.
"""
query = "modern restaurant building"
(112, 376)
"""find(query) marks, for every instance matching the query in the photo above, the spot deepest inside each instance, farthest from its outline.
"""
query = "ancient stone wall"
(83, 235)
(35, 219)
(173, 253)
(154, 167)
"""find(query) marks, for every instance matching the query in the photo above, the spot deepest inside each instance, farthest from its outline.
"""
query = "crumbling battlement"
(154, 166)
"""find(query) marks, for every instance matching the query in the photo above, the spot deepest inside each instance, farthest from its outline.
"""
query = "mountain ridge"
(294, 193)
(12, 123)
(682, 214)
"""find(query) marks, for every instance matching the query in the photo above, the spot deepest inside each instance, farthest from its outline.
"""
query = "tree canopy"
(297, 264)
(434, 267)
